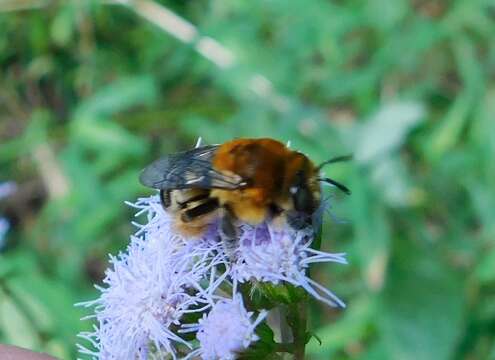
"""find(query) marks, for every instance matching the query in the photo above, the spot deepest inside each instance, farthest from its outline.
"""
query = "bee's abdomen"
(203, 207)
(188, 203)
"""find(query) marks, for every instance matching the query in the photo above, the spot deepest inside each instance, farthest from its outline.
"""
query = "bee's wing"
(187, 170)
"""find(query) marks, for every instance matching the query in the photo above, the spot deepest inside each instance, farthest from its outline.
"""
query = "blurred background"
(91, 91)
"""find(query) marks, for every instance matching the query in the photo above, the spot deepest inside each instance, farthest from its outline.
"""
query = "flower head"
(227, 330)
(163, 276)
(149, 289)
(271, 254)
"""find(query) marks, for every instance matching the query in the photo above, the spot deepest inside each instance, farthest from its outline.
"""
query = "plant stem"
(285, 348)
(297, 320)
(285, 330)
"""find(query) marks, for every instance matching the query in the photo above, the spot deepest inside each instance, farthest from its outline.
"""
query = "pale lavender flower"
(275, 254)
(149, 289)
(163, 276)
(206, 249)
(227, 330)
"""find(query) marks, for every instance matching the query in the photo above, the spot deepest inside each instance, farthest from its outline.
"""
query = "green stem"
(298, 319)
(284, 347)
(285, 330)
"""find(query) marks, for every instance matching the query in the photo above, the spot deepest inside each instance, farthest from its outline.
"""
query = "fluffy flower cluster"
(225, 331)
(156, 290)
(275, 255)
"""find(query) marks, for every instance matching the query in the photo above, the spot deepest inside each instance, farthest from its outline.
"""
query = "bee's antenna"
(198, 142)
(334, 160)
(338, 185)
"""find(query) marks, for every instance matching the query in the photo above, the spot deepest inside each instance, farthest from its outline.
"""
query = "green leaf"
(392, 171)
(15, 324)
(265, 333)
(450, 129)
(259, 350)
(278, 293)
(33, 135)
(57, 299)
(41, 317)
(375, 352)
(118, 96)
(485, 270)
(310, 335)
(387, 130)
(264, 348)
(372, 228)
(107, 137)
(63, 24)
(422, 308)
(350, 328)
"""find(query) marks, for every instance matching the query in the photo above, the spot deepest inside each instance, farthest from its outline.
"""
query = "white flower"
(270, 254)
(163, 276)
(227, 330)
(148, 291)
(160, 228)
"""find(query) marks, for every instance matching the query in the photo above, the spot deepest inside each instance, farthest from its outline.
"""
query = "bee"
(246, 180)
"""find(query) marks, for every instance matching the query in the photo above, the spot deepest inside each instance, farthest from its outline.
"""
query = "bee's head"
(305, 191)
(304, 197)
(302, 185)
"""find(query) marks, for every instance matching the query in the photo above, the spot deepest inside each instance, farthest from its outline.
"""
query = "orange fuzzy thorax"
(269, 167)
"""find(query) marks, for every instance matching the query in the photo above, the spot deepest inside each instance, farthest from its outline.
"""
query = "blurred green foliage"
(91, 92)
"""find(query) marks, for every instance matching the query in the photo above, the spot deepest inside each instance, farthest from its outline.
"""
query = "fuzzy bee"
(247, 180)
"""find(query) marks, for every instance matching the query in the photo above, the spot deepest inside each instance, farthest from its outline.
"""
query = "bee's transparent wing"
(187, 170)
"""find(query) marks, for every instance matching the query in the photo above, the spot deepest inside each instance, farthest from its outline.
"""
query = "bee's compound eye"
(303, 200)
(301, 194)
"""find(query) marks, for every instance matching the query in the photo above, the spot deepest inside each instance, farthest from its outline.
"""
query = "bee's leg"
(228, 233)
(165, 198)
